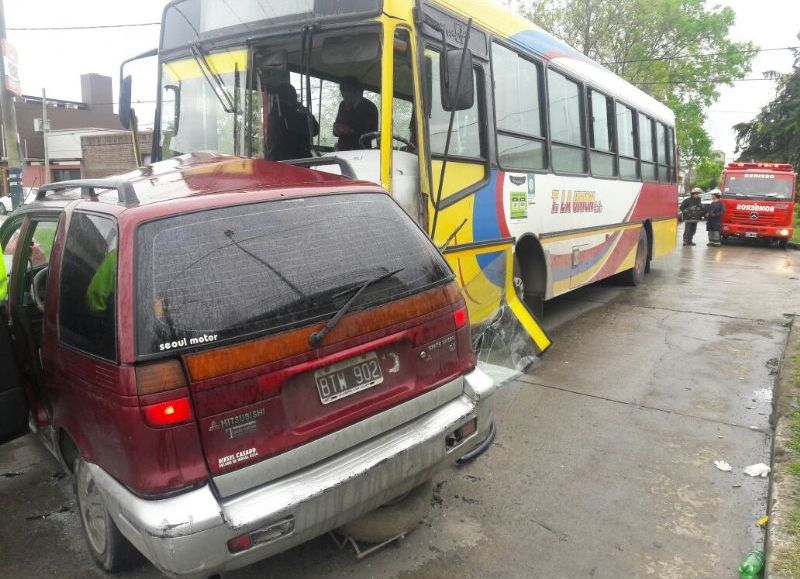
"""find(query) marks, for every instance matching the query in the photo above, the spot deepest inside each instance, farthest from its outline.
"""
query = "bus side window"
(517, 97)
(626, 135)
(466, 138)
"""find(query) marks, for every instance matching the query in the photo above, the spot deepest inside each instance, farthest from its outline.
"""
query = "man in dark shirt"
(356, 117)
(289, 127)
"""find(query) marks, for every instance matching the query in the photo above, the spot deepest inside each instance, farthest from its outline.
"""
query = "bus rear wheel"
(635, 275)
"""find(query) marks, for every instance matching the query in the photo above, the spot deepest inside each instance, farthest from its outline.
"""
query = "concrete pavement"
(603, 464)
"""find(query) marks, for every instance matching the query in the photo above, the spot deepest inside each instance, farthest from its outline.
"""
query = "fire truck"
(759, 201)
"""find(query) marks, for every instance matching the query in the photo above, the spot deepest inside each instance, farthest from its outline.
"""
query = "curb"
(783, 486)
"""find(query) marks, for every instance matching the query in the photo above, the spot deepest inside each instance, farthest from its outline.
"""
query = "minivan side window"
(87, 312)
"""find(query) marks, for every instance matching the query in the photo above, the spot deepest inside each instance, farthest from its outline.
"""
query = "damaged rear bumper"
(187, 535)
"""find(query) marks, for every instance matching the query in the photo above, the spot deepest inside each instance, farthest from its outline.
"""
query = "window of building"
(87, 312)
(601, 135)
(66, 174)
(565, 107)
(517, 94)
(626, 139)
(465, 140)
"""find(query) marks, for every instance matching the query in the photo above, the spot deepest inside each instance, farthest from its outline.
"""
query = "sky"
(54, 60)
(768, 24)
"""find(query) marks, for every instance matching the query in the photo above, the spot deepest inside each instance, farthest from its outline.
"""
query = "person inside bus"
(692, 210)
(357, 116)
(289, 127)
(714, 219)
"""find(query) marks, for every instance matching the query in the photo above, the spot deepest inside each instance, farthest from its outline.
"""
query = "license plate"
(751, 234)
(345, 378)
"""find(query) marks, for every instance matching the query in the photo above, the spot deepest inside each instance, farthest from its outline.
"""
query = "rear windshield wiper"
(316, 338)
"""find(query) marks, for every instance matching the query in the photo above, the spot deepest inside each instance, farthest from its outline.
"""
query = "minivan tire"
(396, 517)
(109, 548)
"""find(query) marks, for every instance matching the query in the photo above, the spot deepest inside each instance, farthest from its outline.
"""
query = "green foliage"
(774, 135)
(678, 51)
(707, 173)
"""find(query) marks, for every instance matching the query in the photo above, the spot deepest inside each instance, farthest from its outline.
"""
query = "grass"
(44, 236)
(787, 561)
(796, 233)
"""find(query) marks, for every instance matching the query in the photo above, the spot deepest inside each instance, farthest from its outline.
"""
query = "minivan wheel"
(109, 548)
(396, 517)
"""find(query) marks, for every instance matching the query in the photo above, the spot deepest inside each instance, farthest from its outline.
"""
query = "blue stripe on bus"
(485, 227)
(546, 46)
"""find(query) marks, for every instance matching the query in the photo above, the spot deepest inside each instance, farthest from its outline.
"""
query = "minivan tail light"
(159, 377)
(168, 413)
(460, 317)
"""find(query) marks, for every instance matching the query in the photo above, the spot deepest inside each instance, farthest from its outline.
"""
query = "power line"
(97, 27)
(726, 53)
(713, 80)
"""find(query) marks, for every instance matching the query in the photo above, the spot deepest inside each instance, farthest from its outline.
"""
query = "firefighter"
(714, 219)
(692, 210)
(3, 279)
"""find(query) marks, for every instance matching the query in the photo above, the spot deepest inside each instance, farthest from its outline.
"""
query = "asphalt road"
(604, 461)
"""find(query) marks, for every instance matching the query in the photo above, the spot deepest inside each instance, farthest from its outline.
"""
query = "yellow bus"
(534, 169)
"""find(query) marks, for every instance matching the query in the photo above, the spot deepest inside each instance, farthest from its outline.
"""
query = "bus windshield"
(759, 186)
(203, 103)
(286, 97)
(187, 21)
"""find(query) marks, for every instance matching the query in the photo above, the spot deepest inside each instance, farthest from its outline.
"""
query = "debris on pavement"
(759, 469)
(762, 522)
(722, 465)
(752, 565)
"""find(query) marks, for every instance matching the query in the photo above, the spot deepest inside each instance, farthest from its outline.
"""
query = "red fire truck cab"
(759, 201)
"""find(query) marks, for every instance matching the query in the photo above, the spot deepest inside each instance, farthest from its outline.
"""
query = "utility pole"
(46, 176)
(9, 121)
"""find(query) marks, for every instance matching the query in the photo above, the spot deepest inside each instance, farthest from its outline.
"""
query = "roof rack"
(344, 166)
(125, 190)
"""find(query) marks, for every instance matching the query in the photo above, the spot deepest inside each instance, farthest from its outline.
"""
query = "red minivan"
(233, 356)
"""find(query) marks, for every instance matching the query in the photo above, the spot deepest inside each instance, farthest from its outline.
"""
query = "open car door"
(13, 405)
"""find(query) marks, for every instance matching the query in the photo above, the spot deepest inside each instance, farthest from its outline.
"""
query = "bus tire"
(530, 274)
(783, 243)
(635, 275)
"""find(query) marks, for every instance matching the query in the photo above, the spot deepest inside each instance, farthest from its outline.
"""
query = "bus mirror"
(461, 97)
(125, 102)
(175, 89)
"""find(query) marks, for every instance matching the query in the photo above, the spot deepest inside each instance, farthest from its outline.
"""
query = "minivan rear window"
(224, 274)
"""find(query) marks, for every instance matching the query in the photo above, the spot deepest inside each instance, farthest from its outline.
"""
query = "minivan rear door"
(237, 292)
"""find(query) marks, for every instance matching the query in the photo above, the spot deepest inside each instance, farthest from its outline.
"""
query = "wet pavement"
(604, 461)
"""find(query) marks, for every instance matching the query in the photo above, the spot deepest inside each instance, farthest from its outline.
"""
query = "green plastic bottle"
(752, 565)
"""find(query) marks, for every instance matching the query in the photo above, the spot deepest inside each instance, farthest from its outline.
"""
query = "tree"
(678, 51)
(708, 172)
(774, 135)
